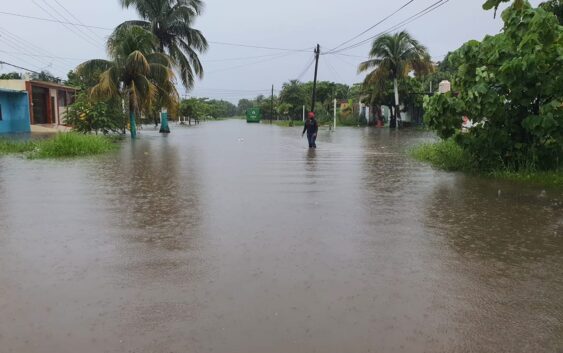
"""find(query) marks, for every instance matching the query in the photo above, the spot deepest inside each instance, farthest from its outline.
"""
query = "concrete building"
(14, 111)
(47, 101)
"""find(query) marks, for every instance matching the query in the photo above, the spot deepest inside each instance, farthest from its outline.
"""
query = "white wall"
(16, 85)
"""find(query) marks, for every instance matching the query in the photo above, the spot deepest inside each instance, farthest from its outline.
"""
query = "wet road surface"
(235, 238)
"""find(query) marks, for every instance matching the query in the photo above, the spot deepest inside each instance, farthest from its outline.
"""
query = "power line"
(65, 24)
(333, 69)
(79, 29)
(51, 20)
(18, 67)
(24, 44)
(42, 56)
(251, 64)
(111, 29)
(375, 25)
(260, 47)
(76, 18)
(8, 41)
(241, 58)
(410, 19)
(307, 68)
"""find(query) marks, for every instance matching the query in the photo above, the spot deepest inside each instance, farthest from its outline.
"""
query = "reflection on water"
(228, 237)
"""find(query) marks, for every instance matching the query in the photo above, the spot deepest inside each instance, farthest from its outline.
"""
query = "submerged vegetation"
(449, 156)
(64, 145)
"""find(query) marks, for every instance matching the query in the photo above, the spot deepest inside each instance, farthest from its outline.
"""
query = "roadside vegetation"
(517, 124)
(62, 145)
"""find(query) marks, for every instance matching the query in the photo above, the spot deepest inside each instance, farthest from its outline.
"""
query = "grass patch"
(63, 145)
(446, 155)
(13, 146)
(449, 156)
(544, 178)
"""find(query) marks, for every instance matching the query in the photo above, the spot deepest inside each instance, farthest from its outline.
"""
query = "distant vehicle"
(253, 115)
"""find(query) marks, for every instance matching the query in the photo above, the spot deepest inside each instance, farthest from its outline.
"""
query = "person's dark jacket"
(311, 126)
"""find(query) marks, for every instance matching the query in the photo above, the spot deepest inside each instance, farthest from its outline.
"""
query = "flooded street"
(235, 238)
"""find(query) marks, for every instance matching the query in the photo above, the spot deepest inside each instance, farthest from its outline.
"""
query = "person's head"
(311, 115)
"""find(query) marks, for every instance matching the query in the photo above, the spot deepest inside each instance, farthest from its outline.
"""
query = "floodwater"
(235, 238)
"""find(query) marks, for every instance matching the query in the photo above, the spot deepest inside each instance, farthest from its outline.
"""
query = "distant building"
(14, 111)
(47, 101)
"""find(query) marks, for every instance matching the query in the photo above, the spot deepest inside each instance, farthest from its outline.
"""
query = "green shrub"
(509, 85)
(446, 155)
(74, 145)
(14, 146)
(87, 116)
(63, 145)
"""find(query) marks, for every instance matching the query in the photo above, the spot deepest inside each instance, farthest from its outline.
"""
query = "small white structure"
(445, 86)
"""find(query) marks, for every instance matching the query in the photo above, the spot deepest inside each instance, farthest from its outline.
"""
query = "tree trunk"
(164, 128)
(132, 122)
(397, 117)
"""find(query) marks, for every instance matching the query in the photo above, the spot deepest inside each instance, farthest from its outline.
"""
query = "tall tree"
(136, 73)
(393, 56)
(171, 22)
(293, 93)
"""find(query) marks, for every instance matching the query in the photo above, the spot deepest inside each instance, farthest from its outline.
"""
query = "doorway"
(41, 112)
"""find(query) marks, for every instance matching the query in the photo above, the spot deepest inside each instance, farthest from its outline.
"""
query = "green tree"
(511, 86)
(243, 106)
(11, 76)
(136, 73)
(171, 22)
(393, 56)
(293, 94)
(45, 76)
(555, 7)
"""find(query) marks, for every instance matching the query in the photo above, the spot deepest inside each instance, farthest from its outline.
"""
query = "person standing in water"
(311, 127)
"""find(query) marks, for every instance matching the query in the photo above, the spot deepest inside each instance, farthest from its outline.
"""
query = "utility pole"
(334, 114)
(317, 53)
(272, 105)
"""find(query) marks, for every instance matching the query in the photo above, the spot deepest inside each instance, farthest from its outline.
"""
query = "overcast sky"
(234, 72)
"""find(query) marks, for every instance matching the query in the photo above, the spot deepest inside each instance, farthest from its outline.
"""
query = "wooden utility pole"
(272, 105)
(317, 53)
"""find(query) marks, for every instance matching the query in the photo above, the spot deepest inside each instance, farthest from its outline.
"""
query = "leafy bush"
(446, 155)
(86, 115)
(63, 145)
(510, 85)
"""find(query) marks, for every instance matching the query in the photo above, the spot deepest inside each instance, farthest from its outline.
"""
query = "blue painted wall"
(15, 112)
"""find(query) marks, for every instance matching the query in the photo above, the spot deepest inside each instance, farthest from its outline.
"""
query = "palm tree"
(136, 72)
(393, 56)
(171, 22)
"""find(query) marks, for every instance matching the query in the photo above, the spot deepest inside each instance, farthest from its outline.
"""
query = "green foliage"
(294, 94)
(136, 73)
(11, 76)
(171, 23)
(64, 145)
(8, 146)
(68, 145)
(199, 108)
(555, 7)
(243, 106)
(511, 86)
(446, 155)
(392, 58)
(86, 115)
(85, 80)
(45, 76)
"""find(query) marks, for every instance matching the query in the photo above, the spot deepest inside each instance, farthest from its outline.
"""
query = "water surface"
(236, 238)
